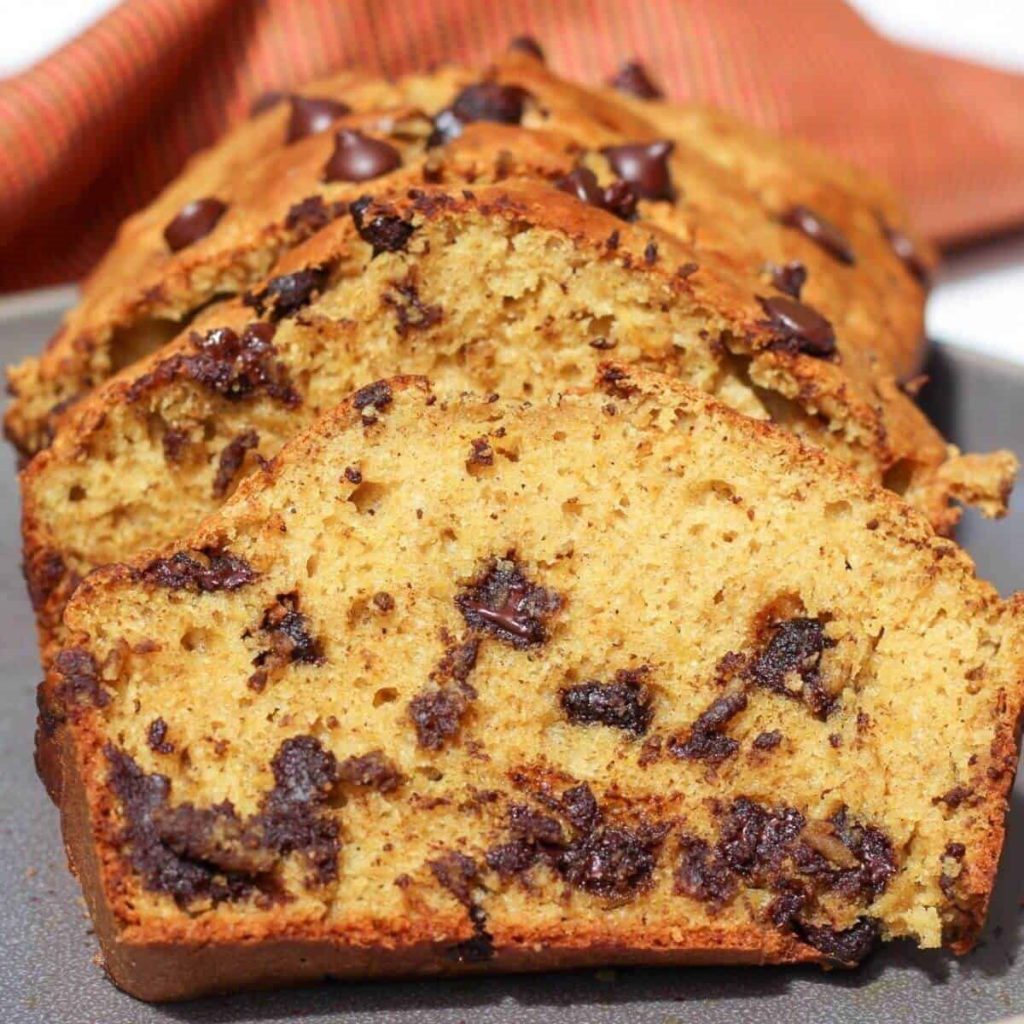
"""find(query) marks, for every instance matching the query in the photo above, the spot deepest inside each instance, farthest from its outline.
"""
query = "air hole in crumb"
(385, 695)
(193, 639)
(312, 564)
(897, 477)
(837, 509)
(428, 771)
(367, 497)
(572, 507)
(77, 492)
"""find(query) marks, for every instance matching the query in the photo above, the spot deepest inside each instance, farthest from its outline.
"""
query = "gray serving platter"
(48, 971)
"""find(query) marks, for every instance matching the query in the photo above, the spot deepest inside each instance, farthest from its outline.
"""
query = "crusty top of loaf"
(733, 188)
(446, 656)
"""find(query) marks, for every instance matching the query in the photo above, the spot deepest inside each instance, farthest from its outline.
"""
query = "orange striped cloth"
(93, 131)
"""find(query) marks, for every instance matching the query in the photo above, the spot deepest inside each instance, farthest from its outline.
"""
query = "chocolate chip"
(358, 157)
(353, 475)
(706, 741)
(768, 740)
(457, 873)
(651, 253)
(195, 220)
(286, 294)
(309, 215)
(504, 603)
(789, 278)
(619, 198)
(378, 394)
(312, 115)
(80, 679)
(483, 101)
(623, 704)
(613, 861)
(219, 570)
(798, 327)
(232, 365)
(819, 230)
(290, 638)
(413, 314)
(156, 737)
(386, 232)
(645, 166)
(702, 874)
(581, 808)
(437, 714)
(846, 947)
(490, 101)
(795, 647)
(527, 44)
(383, 601)
(480, 453)
(905, 248)
(632, 79)
(231, 459)
(374, 770)
(44, 572)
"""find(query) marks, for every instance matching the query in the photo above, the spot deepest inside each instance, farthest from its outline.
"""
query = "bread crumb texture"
(617, 671)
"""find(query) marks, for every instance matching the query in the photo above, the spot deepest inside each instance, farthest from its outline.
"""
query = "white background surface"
(978, 300)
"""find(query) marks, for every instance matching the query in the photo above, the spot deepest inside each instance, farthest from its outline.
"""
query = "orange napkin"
(92, 132)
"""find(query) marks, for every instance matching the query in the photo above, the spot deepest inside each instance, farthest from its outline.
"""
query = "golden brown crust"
(732, 179)
(168, 955)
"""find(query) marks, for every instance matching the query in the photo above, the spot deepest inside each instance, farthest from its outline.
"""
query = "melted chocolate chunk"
(286, 294)
(535, 836)
(457, 873)
(220, 570)
(480, 453)
(645, 166)
(231, 459)
(905, 249)
(80, 679)
(235, 366)
(702, 874)
(437, 715)
(619, 198)
(706, 741)
(580, 806)
(508, 606)
(304, 775)
(795, 646)
(213, 836)
(194, 220)
(374, 770)
(845, 947)
(458, 661)
(184, 877)
(156, 737)
(798, 327)
(632, 79)
(623, 704)
(819, 230)
(312, 115)
(789, 278)
(383, 601)
(378, 394)
(480, 947)
(385, 232)
(357, 157)
(309, 215)
(413, 315)
(768, 740)
(613, 861)
(754, 840)
(290, 639)
(874, 852)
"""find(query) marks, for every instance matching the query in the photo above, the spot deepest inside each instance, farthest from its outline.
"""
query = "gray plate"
(47, 970)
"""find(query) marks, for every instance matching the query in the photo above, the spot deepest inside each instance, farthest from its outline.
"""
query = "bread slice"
(267, 171)
(520, 289)
(620, 677)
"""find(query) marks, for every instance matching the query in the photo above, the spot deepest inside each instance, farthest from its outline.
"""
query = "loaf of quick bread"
(459, 682)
